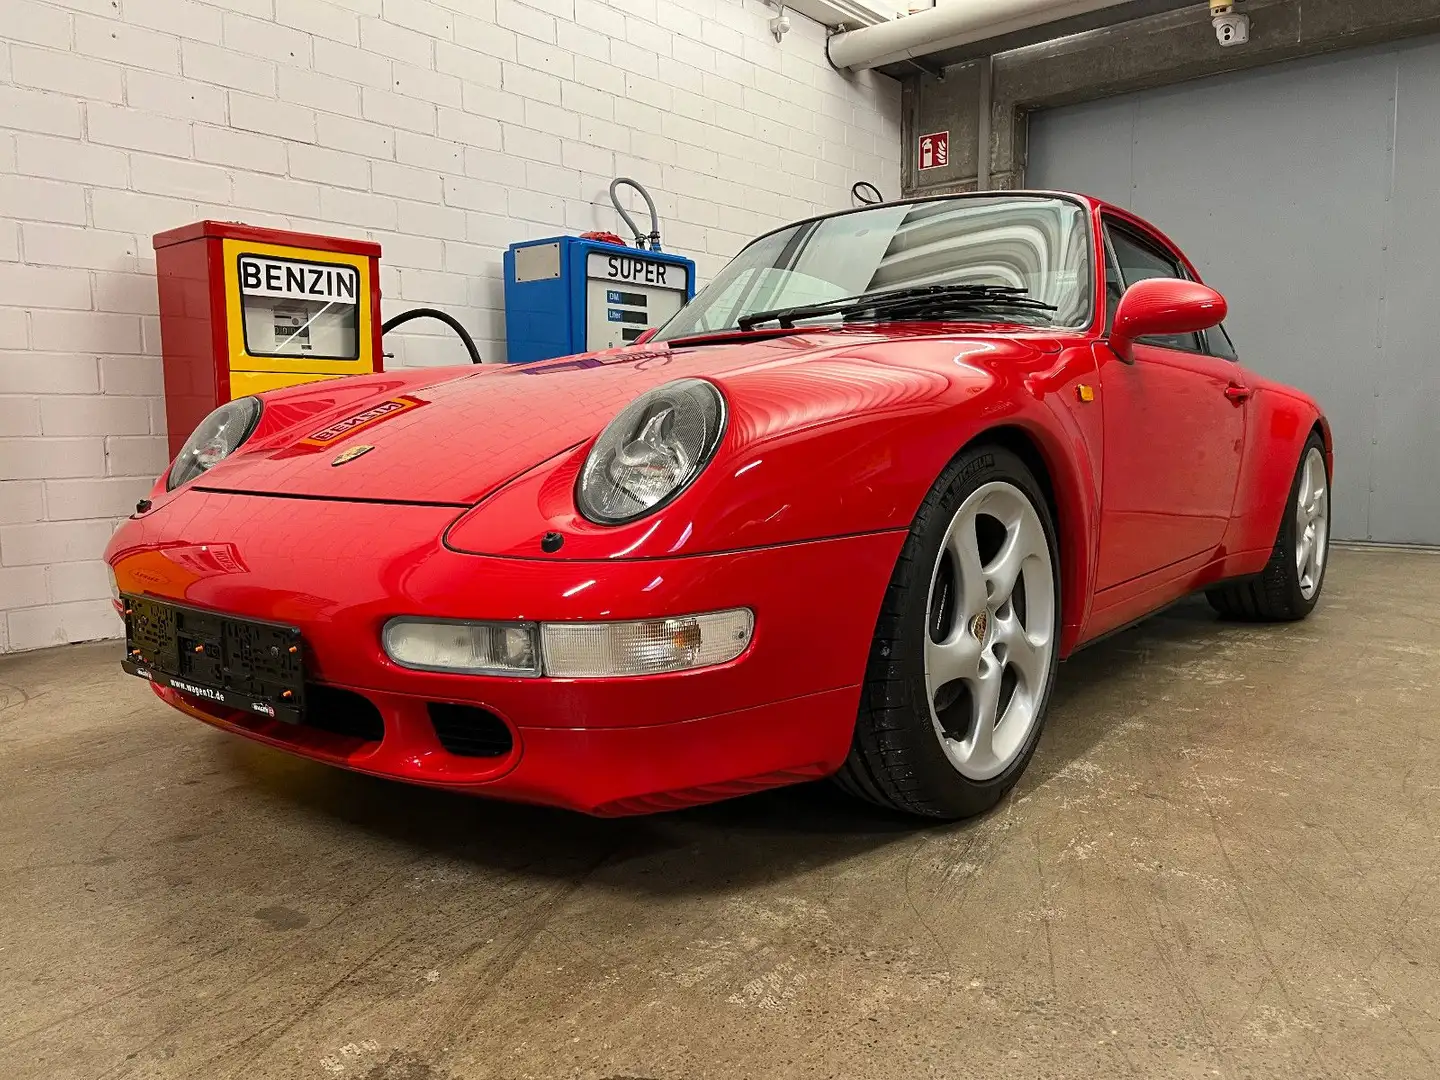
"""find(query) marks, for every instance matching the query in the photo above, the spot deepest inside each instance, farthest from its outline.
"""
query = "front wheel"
(966, 646)
(1290, 584)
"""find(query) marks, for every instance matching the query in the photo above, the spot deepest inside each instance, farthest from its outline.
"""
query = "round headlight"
(651, 451)
(219, 435)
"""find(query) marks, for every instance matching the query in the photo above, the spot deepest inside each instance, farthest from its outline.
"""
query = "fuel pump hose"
(434, 313)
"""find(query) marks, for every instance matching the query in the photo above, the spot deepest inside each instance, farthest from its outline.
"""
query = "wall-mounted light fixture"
(780, 24)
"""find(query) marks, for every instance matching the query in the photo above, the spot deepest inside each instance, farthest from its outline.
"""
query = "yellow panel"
(241, 360)
(244, 383)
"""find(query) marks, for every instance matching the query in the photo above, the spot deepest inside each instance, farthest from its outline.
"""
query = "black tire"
(896, 757)
(1274, 595)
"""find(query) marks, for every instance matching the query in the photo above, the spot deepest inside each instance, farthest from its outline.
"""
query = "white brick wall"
(444, 130)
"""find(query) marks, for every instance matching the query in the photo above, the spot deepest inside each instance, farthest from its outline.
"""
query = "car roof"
(1091, 204)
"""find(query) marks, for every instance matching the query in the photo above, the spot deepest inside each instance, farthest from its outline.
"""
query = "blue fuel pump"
(573, 294)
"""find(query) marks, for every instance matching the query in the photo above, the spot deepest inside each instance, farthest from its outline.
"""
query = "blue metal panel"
(536, 326)
(575, 252)
(547, 318)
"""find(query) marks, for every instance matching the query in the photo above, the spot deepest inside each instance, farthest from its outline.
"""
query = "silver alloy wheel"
(989, 630)
(1312, 522)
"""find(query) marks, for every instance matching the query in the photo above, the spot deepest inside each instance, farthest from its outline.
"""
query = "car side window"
(1218, 343)
(1114, 285)
(1138, 260)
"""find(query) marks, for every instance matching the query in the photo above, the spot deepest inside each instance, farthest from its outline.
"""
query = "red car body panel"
(316, 564)
(1166, 474)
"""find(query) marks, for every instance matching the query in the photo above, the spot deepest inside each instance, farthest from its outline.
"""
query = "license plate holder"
(247, 664)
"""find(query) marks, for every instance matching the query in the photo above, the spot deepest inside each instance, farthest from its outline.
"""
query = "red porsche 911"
(842, 516)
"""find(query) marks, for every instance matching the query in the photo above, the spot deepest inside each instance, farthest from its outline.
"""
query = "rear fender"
(1276, 430)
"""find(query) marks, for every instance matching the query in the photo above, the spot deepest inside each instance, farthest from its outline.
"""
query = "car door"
(1174, 429)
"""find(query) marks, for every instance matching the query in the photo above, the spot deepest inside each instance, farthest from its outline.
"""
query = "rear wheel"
(1290, 584)
(966, 646)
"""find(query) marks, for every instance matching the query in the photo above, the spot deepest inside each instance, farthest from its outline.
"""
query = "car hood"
(453, 435)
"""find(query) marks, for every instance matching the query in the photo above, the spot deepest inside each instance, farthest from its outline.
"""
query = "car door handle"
(1238, 395)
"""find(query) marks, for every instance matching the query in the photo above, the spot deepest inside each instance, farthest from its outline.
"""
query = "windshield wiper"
(917, 301)
(938, 301)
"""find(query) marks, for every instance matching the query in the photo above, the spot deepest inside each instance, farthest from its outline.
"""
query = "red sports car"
(843, 515)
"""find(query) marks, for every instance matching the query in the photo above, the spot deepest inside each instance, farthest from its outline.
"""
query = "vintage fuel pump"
(244, 310)
(574, 294)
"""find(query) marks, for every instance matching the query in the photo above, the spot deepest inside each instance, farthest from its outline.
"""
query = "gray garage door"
(1309, 194)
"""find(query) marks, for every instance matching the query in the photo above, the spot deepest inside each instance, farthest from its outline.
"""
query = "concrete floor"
(1223, 861)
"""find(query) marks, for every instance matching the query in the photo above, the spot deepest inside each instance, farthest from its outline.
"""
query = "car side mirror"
(646, 335)
(1163, 306)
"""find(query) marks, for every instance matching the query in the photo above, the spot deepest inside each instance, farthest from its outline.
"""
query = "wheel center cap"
(979, 624)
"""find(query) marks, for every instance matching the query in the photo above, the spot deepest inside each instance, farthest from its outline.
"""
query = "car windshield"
(1035, 243)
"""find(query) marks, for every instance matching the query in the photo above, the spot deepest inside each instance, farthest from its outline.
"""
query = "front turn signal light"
(596, 650)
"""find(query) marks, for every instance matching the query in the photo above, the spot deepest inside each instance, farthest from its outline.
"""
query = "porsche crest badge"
(350, 455)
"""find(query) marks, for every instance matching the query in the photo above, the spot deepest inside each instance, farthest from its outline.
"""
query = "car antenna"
(866, 194)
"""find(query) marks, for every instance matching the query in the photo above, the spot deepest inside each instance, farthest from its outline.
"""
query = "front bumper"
(783, 711)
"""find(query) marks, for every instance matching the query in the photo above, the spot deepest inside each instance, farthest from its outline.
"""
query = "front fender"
(817, 450)
(294, 410)
(843, 445)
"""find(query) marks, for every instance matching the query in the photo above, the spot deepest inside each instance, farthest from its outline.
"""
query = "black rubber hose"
(857, 192)
(434, 313)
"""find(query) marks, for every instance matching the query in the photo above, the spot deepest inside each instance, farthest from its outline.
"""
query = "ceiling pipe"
(959, 22)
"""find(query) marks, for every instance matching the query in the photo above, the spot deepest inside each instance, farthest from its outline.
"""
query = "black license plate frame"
(252, 665)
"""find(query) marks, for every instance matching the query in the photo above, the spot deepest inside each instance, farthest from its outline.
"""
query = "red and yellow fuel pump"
(244, 310)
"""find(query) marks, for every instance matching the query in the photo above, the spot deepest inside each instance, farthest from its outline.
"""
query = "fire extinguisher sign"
(935, 150)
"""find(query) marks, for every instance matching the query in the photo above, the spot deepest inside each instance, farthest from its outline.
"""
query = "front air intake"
(469, 731)
(342, 712)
